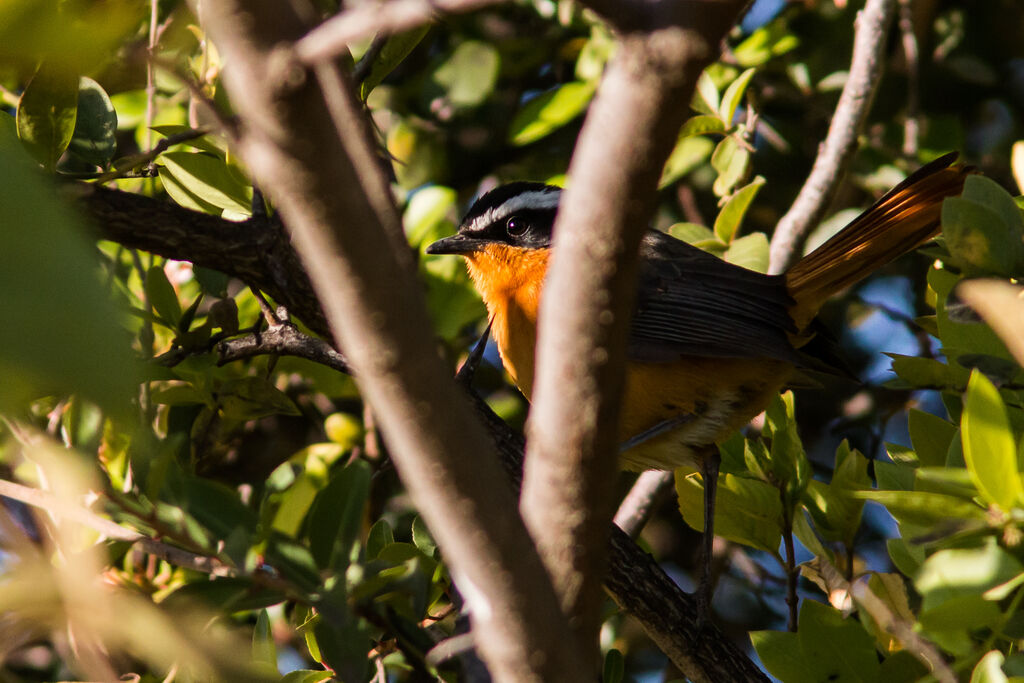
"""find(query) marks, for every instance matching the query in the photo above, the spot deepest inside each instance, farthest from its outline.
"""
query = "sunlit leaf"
(990, 450)
(47, 111)
(546, 113)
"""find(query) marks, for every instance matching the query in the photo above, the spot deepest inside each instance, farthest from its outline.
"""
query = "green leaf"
(204, 182)
(838, 649)
(94, 139)
(421, 537)
(251, 398)
(546, 113)
(770, 40)
(931, 436)
(469, 74)
(264, 651)
(306, 676)
(227, 594)
(923, 508)
(750, 252)
(689, 153)
(337, 516)
(727, 224)
(732, 96)
(295, 504)
(702, 124)
(380, 536)
(983, 229)
(906, 557)
(705, 99)
(59, 333)
(162, 297)
(427, 209)
(748, 511)
(964, 572)
(989, 669)
(614, 667)
(47, 111)
(783, 657)
(989, 448)
(691, 232)
(731, 160)
(396, 48)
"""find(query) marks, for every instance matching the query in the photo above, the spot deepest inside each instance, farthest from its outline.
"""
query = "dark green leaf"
(782, 656)
(250, 398)
(837, 649)
(394, 51)
(162, 297)
(337, 516)
(94, 139)
(264, 651)
(931, 436)
(380, 536)
(421, 537)
(47, 111)
(614, 667)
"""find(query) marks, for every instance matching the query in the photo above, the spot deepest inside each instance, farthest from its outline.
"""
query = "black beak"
(456, 244)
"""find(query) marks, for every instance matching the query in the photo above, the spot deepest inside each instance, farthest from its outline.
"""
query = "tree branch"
(332, 38)
(837, 150)
(307, 143)
(634, 579)
(650, 490)
(571, 468)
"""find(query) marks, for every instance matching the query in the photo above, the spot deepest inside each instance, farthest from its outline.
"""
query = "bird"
(710, 342)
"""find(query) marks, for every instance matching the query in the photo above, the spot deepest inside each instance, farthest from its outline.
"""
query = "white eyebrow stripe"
(538, 199)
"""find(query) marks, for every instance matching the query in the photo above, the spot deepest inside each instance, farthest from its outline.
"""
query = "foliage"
(283, 540)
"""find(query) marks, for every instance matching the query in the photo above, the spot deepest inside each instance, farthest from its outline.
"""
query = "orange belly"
(719, 395)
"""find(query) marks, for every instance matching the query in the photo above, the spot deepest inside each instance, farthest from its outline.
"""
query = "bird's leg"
(709, 463)
(468, 370)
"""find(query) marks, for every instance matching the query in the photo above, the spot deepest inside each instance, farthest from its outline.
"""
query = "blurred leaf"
(295, 504)
(702, 124)
(733, 96)
(964, 573)
(614, 667)
(427, 209)
(229, 594)
(546, 113)
(420, 156)
(691, 232)
(1002, 307)
(337, 516)
(469, 74)
(989, 447)
(727, 224)
(263, 649)
(983, 229)
(161, 296)
(94, 138)
(705, 99)
(306, 676)
(250, 398)
(204, 182)
(421, 537)
(768, 41)
(57, 334)
(1017, 164)
(989, 669)
(380, 536)
(732, 162)
(343, 647)
(689, 153)
(47, 111)
(396, 48)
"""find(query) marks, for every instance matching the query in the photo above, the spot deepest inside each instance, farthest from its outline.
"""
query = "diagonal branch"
(837, 150)
(306, 140)
(568, 482)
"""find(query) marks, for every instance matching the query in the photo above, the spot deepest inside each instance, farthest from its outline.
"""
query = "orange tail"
(906, 217)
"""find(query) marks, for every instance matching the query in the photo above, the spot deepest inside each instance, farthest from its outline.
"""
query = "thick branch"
(650, 490)
(837, 150)
(590, 291)
(306, 142)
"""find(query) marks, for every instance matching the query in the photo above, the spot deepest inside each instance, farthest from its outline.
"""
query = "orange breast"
(719, 394)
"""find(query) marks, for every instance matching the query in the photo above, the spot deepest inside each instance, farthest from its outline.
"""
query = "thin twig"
(150, 72)
(911, 53)
(650, 489)
(285, 340)
(920, 648)
(837, 150)
(332, 37)
(146, 158)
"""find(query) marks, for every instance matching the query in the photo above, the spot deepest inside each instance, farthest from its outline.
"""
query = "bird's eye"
(516, 226)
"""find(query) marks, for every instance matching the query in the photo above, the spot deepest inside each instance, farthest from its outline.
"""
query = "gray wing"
(692, 303)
